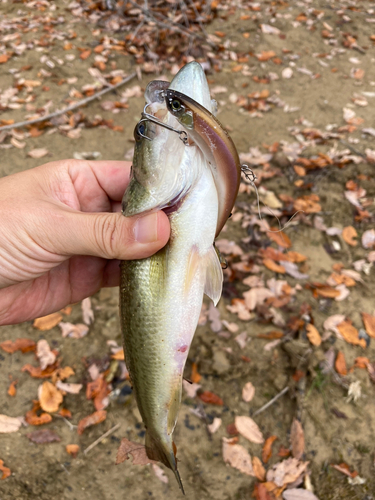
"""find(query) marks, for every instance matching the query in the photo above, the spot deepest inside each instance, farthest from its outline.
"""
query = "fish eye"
(176, 105)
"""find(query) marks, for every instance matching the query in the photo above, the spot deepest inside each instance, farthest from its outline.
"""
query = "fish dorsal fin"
(214, 276)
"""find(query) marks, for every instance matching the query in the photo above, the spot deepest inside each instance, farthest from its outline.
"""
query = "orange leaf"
(85, 54)
(267, 448)
(72, 449)
(279, 237)
(327, 292)
(369, 322)
(119, 355)
(260, 492)
(195, 376)
(23, 345)
(211, 398)
(340, 364)
(266, 55)
(5, 471)
(95, 418)
(297, 439)
(313, 335)
(350, 334)
(301, 171)
(349, 234)
(47, 322)
(283, 452)
(259, 470)
(12, 391)
(3, 58)
(272, 266)
(37, 372)
(33, 418)
(50, 397)
(361, 362)
(296, 257)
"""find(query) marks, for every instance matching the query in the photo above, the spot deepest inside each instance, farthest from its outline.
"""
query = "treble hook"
(147, 117)
(251, 177)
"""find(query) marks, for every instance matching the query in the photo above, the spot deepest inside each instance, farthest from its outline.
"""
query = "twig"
(267, 405)
(352, 149)
(71, 107)
(99, 440)
(69, 424)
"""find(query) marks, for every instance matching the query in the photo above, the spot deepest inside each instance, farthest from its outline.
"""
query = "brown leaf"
(210, 398)
(340, 364)
(195, 376)
(260, 492)
(259, 470)
(6, 472)
(12, 391)
(50, 397)
(299, 494)
(313, 335)
(327, 292)
(349, 234)
(85, 54)
(136, 450)
(9, 424)
(295, 257)
(87, 312)
(23, 345)
(95, 418)
(297, 439)
(361, 362)
(119, 355)
(350, 334)
(237, 456)
(272, 266)
(369, 322)
(266, 55)
(44, 354)
(280, 238)
(47, 322)
(72, 449)
(248, 392)
(32, 417)
(267, 448)
(73, 331)
(286, 472)
(37, 372)
(44, 436)
(249, 429)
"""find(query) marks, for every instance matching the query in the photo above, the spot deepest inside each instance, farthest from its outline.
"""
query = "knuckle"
(110, 236)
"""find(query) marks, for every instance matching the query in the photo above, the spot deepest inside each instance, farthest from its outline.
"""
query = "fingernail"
(146, 229)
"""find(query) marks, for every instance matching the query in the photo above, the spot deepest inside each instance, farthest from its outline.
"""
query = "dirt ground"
(303, 113)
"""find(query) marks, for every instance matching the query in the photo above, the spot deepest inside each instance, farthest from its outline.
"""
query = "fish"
(161, 296)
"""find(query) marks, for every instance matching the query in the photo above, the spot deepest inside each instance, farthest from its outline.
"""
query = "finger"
(110, 235)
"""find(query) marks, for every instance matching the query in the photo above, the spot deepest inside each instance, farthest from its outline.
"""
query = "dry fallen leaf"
(87, 312)
(72, 449)
(287, 472)
(249, 429)
(74, 331)
(248, 392)
(349, 235)
(216, 423)
(44, 354)
(259, 470)
(368, 238)
(47, 322)
(38, 153)
(43, 436)
(32, 417)
(190, 389)
(9, 424)
(69, 388)
(369, 322)
(50, 397)
(237, 456)
(340, 364)
(313, 335)
(95, 418)
(279, 237)
(160, 474)
(350, 334)
(210, 398)
(12, 391)
(136, 450)
(267, 448)
(37, 372)
(6, 472)
(297, 439)
(272, 266)
(23, 345)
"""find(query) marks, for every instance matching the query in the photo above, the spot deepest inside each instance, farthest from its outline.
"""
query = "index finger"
(113, 176)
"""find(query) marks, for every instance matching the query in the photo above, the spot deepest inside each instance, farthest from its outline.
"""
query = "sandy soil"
(313, 98)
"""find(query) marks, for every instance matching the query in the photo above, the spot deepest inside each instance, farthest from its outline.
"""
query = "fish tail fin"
(164, 453)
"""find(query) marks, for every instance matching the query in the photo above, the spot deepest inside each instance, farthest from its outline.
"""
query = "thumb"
(113, 236)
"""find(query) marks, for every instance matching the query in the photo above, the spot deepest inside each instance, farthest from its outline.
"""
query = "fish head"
(163, 169)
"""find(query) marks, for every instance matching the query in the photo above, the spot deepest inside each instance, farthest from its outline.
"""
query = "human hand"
(61, 232)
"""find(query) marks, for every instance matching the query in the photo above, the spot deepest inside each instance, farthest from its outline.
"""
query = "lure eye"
(141, 129)
(176, 105)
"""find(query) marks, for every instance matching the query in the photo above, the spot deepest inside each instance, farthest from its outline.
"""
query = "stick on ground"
(267, 405)
(99, 440)
(76, 105)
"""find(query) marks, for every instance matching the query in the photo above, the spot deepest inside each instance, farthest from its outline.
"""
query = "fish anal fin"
(214, 275)
(173, 410)
(192, 268)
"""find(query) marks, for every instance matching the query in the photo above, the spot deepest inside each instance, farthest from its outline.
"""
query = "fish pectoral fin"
(214, 276)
